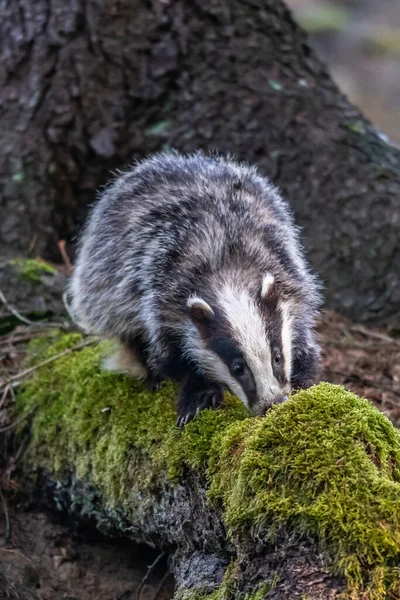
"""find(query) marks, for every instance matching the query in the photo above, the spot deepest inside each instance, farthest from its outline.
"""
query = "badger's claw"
(152, 382)
(197, 394)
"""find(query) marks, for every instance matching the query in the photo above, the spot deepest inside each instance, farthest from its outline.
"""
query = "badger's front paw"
(197, 394)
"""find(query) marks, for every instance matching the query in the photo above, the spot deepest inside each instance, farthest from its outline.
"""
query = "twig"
(4, 396)
(14, 311)
(12, 394)
(7, 528)
(357, 328)
(355, 378)
(149, 571)
(16, 339)
(5, 480)
(23, 374)
(375, 334)
(18, 454)
(161, 585)
(65, 257)
(19, 420)
(353, 344)
(20, 554)
(67, 306)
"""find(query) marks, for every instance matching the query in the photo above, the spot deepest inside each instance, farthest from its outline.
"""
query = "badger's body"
(194, 265)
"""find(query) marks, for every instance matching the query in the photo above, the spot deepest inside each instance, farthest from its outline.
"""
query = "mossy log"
(304, 502)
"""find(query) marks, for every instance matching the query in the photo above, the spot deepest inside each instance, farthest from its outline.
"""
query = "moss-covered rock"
(34, 288)
(324, 465)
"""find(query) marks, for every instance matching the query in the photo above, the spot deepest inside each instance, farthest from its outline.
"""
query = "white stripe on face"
(287, 333)
(248, 330)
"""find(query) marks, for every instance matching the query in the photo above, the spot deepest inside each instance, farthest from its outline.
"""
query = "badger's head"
(258, 345)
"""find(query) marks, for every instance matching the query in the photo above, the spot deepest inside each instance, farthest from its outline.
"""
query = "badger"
(193, 264)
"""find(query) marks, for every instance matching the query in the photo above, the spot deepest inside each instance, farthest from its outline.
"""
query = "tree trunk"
(300, 503)
(86, 87)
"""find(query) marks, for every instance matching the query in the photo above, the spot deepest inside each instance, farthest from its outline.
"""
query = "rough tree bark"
(87, 86)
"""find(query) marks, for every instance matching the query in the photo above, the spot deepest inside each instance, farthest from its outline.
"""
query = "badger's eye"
(237, 368)
(277, 356)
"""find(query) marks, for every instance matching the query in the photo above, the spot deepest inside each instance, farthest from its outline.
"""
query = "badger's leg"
(128, 360)
(197, 393)
(131, 358)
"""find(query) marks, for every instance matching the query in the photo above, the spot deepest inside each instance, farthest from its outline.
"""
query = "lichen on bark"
(324, 466)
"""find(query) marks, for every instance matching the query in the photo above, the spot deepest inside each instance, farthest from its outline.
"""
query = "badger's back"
(162, 228)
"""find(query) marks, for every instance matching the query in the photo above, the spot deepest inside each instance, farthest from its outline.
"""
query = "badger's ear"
(201, 314)
(267, 285)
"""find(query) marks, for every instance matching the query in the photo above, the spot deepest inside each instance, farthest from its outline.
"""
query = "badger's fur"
(194, 264)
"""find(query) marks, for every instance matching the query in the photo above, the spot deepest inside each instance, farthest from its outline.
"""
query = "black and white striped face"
(245, 343)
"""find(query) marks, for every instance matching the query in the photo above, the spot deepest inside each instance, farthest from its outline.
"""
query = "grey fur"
(174, 226)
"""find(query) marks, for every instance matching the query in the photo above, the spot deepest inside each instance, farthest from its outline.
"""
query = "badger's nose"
(281, 399)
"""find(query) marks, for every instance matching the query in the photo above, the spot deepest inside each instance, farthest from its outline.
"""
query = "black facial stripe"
(306, 360)
(269, 303)
(273, 318)
(228, 352)
(226, 349)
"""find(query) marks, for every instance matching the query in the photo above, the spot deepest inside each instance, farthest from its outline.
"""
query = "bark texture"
(86, 87)
(180, 522)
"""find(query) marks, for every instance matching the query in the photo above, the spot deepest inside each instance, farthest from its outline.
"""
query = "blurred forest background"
(360, 42)
(54, 156)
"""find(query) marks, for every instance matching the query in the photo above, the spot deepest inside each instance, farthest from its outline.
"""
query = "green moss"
(228, 588)
(32, 270)
(226, 591)
(325, 463)
(275, 85)
(263, 589)
(357, 127)
(328, 464)
(128, 423)
(18, 177)
(159, 129)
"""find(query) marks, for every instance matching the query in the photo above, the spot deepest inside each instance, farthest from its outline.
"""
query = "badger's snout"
(278, 399)
(277, 396)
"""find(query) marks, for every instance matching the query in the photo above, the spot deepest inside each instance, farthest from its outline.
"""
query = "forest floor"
(43, 558)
